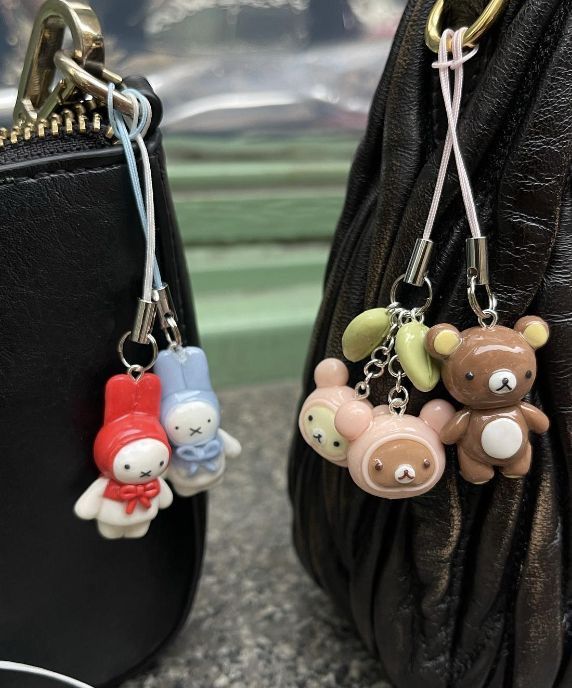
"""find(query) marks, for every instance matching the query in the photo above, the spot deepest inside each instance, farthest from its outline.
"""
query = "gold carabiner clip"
(85, 82)
(484, 21)
(36, 98)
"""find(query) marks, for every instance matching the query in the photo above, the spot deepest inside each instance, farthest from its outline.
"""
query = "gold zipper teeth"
(69, 119)
(56, 124)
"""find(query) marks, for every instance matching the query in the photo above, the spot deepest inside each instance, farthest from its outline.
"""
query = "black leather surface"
(466, 586)
(72, 255)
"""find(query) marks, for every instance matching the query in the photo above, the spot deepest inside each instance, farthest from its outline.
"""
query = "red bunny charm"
(132, 451)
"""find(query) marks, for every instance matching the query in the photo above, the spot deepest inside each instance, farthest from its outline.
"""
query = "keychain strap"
(384, 357)
(155, 293)
(416, 272)
(453, 107)
(477, 252)
(146, 207)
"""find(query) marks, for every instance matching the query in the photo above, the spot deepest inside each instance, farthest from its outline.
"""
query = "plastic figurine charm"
(132, 452)
(417, 364)
(316, 419)
(370, 329)
(365, 332)
(190, 414)
(392, 455)
(490, 370)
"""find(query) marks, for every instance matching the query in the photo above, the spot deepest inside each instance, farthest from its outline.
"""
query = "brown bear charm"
(490, 370)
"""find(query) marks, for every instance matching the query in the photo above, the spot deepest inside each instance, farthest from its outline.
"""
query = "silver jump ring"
(391, 368)
(136, 371)
(404, 317)
(172, 332)
(374, 363)
(483, 314)
(398, 404)
(488, 313)
(362, 390)
(419, 311)
(382, 350)
(136, 368)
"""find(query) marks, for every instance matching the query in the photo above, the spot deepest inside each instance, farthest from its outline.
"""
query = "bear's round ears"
(533, 329)
(331, 373)
(353, 418)
(442, 340)
(437, 413)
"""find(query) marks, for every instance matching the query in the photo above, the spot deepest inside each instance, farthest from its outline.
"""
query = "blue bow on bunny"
(185, 378)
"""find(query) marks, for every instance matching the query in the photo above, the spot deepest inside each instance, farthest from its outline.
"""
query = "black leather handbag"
(466, 586)
(72, 255)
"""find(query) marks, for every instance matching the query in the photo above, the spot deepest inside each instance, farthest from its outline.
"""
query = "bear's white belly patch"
(501, 438)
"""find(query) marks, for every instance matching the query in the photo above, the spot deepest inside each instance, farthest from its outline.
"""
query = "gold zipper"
(76, 119)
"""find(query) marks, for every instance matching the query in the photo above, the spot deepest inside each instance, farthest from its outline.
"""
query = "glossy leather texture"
(72, 259)
(466, 586)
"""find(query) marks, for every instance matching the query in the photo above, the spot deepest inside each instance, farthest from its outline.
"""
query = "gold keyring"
(37, 97)
(482, 24)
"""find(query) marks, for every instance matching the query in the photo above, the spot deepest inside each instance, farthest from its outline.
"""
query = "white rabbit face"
(140, 461)
(193, 422)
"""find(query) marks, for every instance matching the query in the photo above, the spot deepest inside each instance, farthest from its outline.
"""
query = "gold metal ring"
(37, 98)
(487, 18)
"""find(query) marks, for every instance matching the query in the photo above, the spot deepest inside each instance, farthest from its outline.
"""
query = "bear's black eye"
(470, 375)
(310, 418)
(528, 374)
(127, 466)
(426, 463)
(161, 463)
(336, 443)
(176, 427)
(209, 420)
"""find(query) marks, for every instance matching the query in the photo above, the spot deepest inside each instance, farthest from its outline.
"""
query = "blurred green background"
(257, 216)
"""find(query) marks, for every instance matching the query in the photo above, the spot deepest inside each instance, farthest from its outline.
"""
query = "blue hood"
(184, 374)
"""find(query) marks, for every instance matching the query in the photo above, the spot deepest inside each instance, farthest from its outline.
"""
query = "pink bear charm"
(394, 456)
(316, 420)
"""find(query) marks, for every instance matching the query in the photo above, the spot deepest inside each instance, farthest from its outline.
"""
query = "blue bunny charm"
(190, 414)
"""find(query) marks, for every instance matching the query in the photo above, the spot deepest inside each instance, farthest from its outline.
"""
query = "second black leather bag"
(72, 253)
(466, 586)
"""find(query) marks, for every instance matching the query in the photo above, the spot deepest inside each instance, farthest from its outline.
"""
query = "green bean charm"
(364, 333)
(419, 367)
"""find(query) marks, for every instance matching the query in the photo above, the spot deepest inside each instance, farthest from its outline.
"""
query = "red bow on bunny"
(132, 494)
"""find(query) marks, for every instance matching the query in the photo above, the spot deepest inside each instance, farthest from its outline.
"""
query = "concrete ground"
(258, 620)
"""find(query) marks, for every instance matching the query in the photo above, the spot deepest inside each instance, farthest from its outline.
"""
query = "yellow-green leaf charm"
(365, 332)
(419, 367)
